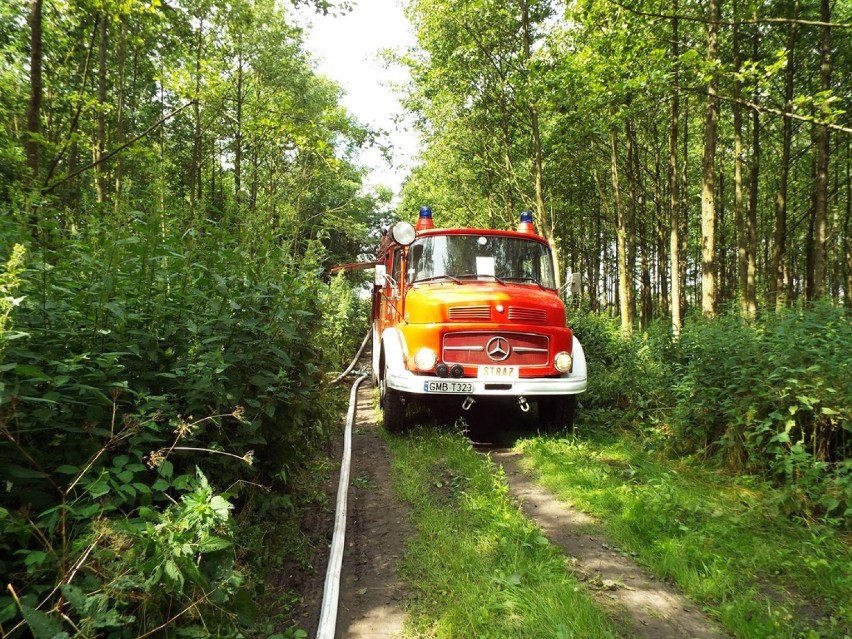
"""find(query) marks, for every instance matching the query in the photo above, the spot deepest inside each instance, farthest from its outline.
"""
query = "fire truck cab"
(472, 314)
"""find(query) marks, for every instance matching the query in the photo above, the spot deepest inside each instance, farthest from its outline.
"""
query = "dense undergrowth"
(154, 385)
(770, 398)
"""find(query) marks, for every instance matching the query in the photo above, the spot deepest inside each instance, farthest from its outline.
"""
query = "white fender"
(393, 345)
(377, 352)
(579, 357)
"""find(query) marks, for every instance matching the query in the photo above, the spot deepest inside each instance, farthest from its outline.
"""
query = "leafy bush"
(139, 361)
(773, 397)
(344, 314)
(769, 398)
(624, 373)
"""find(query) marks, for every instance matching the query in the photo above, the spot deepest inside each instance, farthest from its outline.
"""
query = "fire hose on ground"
(331, 589)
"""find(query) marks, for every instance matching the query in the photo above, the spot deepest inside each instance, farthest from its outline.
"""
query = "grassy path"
(480, 568)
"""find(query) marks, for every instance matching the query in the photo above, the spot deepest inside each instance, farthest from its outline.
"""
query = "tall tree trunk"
(255, 162)
(119, 110)
(633, 201)
(821, 182)
(100, 140)
(779, 248)
(674, 180)
(750, 291)
(596, 262)
(238, 135)
(507, 162)
(847, 229)
(195, 184)
(34, 106)
(739, 209)
(660, 230)
(708, 185)
(645, 302)
(625, 280)
(722, 271)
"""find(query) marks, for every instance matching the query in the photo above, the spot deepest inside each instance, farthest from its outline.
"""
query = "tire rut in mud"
(642, 605)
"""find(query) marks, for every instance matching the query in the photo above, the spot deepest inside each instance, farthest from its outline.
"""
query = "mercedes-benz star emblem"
(498, 349)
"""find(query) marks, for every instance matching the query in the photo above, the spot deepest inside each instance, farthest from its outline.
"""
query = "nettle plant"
(120, 541)
(116, 505)
(773, 398)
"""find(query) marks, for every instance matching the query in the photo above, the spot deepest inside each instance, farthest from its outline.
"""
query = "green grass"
(477, 567)
(724, 540)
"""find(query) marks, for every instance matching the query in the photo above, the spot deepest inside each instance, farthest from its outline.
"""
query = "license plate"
(448, 387)
(497, 372)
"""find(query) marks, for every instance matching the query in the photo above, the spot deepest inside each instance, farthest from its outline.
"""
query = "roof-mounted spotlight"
(403, 233)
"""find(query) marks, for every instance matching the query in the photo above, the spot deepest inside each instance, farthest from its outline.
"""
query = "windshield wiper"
(526, 278)
(478, 275)
(432, 278)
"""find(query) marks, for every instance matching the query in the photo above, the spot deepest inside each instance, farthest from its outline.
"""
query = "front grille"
(528, 315)
(470, 348)
(470, 313)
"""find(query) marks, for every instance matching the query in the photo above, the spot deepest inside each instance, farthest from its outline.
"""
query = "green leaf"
(220, 507)
(42, 626)
(25, 370)
(246, 609)
(141, 488)
(212, 544)
(67, 469)
(88, 511)
(98, 488)
(19, 472)
(173, 572)
(829, 502)
(34, 557)
(76, 597)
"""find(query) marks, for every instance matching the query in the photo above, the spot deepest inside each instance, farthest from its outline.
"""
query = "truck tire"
(393, 411)
(393, 406)
(556, 413)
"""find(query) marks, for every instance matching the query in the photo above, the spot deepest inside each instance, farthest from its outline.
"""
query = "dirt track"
(372, 597)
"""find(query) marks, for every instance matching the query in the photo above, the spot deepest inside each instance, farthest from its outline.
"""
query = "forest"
(176, 180)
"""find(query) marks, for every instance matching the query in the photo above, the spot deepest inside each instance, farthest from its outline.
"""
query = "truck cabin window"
(475, 257)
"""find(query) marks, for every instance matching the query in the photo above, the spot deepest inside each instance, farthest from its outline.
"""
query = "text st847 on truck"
(472, 315)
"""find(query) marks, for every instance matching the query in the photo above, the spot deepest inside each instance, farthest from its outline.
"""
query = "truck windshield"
(459, 257)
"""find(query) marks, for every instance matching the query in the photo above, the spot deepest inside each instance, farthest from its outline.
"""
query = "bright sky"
(347, 51)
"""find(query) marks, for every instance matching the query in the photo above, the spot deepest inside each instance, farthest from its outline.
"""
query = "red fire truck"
(472, 315)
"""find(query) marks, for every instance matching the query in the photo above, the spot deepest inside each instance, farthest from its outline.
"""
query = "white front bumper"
(571, 384)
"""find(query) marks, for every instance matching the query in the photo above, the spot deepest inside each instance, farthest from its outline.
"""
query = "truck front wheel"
(393, 404)
(393, 411)
(557, 412)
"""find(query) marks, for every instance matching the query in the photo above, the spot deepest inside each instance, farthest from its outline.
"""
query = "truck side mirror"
(575, 284)
(572, 284)
(380, 275)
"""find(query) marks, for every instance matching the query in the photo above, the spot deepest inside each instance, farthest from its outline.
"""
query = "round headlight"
(403, 233)
(563, 362)
(425, 359)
